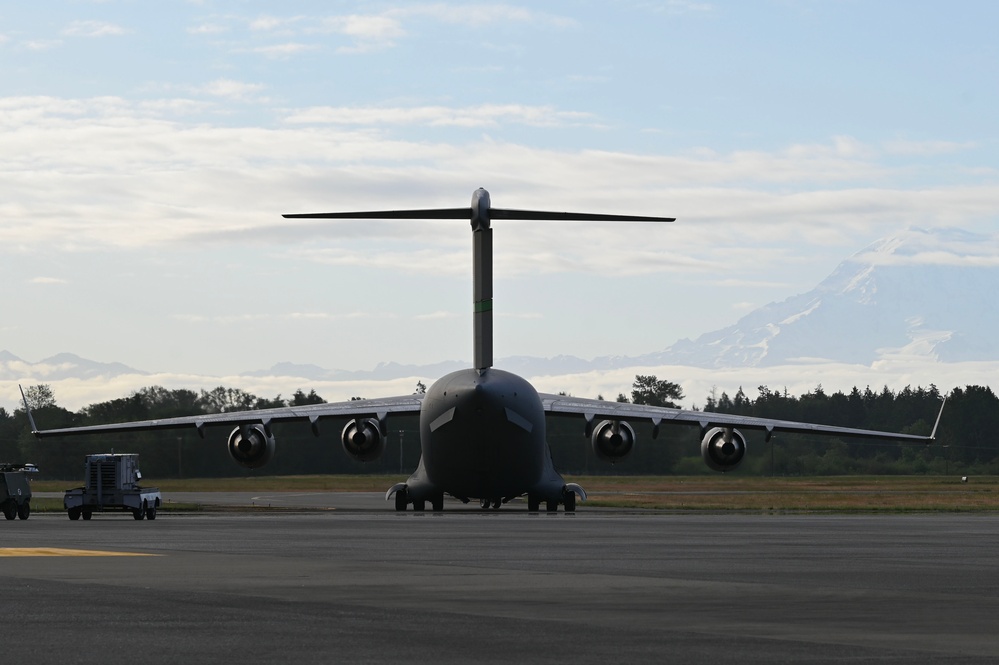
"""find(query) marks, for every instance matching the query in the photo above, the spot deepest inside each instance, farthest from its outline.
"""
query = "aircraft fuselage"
(482, 435)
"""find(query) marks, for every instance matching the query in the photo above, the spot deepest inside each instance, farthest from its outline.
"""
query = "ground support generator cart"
(112, 483)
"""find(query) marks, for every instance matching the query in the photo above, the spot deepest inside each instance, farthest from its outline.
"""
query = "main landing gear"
(551, 505)
(402, 501)
(568, 500)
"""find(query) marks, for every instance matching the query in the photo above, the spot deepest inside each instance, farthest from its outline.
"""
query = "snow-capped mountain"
(928, 293)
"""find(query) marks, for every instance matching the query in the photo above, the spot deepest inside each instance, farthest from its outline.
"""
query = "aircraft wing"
(593, 409)
(311, 413)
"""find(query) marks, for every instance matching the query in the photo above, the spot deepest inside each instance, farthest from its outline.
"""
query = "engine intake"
(723, 448)
(250, 446)
(612, 440)
(362, 439)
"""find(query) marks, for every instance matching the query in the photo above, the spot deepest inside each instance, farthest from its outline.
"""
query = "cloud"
(272, 23)
(373, 31)
(41, 44)
(697, 383)
(485, 115)
(420, 260)
(48, 280)
(229, 89)
(363, 27)
(93, 29)
(925, 248)
(678, 7)
(240, 319)
(94, 174)
(477, 15)
(927, 147)
(74, 394)
(208, 29)
(286, 50)
(369, 32)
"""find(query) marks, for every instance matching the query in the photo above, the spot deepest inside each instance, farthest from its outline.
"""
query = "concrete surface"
(469, 586)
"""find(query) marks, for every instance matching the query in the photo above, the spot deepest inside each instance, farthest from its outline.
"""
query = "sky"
(148, 151)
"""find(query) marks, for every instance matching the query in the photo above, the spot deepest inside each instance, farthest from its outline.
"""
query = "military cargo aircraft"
(482, 429)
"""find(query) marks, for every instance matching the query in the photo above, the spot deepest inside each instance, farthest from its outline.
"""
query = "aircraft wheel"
(419, 506)
(87, 514)
(533, 503)
(10, 510)
(74, 513)
(151, 513)
(570, 502)
(551, 506)
(437, 503)
(138, 514)
(24, 510)
(401, 500)
(496, 504)
(485, 503)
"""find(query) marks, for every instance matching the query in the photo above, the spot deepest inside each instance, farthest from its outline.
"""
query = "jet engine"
(723, 448)
(362, 439)
(251, 446)
(612, 440)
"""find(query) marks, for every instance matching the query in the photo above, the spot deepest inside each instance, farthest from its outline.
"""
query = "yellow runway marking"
(58, 551)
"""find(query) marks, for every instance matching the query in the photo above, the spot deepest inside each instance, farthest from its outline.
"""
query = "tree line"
(965, 440)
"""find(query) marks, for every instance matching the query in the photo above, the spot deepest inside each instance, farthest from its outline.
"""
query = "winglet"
(933, 434)
(27, 410)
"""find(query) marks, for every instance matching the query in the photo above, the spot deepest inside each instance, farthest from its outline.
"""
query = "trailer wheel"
(74, 513)
(138, 514)
(10, 510)
(151, 513)
(24, 509)
(87, 514)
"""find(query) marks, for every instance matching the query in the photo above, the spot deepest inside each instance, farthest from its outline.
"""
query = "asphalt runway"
(373, 586)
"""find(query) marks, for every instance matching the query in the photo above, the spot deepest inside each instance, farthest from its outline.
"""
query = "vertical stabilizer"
(482, 281)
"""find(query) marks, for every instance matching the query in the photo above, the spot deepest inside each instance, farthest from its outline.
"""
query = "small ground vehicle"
(15, 490)
(112, 483)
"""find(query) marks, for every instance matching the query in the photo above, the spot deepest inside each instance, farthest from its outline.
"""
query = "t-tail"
(481, 213)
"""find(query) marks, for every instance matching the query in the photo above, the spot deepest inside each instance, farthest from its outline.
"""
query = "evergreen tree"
(653, 392)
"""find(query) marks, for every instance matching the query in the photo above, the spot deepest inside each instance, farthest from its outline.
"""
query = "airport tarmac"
(371, 585)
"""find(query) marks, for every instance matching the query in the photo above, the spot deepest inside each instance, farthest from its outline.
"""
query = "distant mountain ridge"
(921, 293)
(60, 367)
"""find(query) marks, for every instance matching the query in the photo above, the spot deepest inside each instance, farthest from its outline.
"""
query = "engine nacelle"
(612, 440)
(723, 448)
(251, 446)
(362, 439)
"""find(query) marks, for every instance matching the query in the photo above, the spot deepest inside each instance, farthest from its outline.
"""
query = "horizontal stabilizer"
(437, 213)
(540, 215)
(467, 213)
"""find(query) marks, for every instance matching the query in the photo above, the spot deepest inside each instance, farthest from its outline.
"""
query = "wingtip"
(27, 410)
(933, 434)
